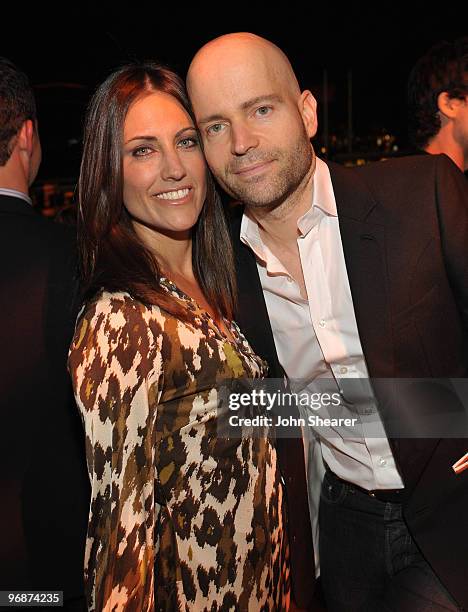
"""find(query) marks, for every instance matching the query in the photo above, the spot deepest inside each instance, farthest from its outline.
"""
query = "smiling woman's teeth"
(173, 195)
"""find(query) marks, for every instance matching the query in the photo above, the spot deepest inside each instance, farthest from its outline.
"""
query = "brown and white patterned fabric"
(180, 518)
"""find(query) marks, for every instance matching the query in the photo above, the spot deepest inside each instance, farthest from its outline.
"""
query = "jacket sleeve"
(115, 368)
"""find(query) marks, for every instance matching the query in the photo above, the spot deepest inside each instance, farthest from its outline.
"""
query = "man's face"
(256, 136)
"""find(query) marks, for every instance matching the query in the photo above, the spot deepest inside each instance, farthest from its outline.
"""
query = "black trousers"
(368, 559)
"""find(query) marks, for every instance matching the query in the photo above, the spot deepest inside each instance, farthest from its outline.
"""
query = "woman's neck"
(172, 250)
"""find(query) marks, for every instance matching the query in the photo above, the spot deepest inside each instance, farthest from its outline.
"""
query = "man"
(361, 272)
(438, 101)
(43, 479)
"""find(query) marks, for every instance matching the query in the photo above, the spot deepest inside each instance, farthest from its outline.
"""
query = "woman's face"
(164, 171)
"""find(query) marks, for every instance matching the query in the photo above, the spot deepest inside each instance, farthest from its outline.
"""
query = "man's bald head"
(230, 52)
(255, 123)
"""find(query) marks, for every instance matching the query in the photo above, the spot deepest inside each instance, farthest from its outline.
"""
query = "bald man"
(345, 274)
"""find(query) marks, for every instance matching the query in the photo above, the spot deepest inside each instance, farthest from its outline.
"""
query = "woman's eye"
(141, 151)
(189, 143)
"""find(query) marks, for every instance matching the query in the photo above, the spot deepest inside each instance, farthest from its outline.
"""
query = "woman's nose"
(172, 169)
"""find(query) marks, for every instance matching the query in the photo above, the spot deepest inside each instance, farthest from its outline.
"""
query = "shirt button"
(289, 279)
(382, 462)
(322, 323)
(343, 370)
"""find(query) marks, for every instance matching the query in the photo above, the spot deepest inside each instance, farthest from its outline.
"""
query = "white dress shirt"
(317, 340)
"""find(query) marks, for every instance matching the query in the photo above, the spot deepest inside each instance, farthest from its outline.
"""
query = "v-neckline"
(233, 340)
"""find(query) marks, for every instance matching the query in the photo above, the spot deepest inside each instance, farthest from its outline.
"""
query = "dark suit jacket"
(43, 478)
(404, 229)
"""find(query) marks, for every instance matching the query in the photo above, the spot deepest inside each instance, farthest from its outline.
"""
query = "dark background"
(67, 51)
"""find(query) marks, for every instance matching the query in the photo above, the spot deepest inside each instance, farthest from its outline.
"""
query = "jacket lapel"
(251, 313)
(363, 239)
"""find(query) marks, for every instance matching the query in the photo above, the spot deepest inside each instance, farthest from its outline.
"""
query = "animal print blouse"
(180, 518)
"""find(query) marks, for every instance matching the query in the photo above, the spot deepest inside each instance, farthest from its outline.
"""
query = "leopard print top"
(180, 519)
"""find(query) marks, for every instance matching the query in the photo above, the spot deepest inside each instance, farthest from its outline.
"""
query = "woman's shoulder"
(118, 307)
(113, 323)
(118, 314)
(109, 314)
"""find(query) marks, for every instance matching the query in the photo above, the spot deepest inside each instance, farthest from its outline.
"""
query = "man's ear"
(448, 106)
(25, 138)
(308, 109)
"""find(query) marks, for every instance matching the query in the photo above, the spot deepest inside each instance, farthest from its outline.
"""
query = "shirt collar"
(250, 235)
(323, 198)
(323, 202)
(16, 194)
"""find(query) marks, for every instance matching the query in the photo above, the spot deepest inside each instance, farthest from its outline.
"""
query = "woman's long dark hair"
(111, 254)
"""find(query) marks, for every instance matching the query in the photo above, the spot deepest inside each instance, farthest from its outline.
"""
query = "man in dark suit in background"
(346, 274)
(438, 101)
(44, 488)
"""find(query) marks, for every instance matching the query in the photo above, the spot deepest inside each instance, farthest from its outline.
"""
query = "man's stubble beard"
(270, 192)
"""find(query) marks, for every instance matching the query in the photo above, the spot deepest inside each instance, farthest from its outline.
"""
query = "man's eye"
(263, 110)
(216, 128)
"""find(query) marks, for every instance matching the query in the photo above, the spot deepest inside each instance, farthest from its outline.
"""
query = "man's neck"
(279, 225)
(443, 142)
(13, 180)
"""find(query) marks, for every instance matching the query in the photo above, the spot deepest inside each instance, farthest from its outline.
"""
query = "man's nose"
(243, 139)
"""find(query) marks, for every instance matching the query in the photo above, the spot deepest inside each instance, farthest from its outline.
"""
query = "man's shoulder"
(38, 232)
(419, 177)
(406, 167)
(61, 235)
(31, 245)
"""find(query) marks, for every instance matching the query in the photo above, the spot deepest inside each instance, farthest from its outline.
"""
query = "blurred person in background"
(438, 101)
(43, 485)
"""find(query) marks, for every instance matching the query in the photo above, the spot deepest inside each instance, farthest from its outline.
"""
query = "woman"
(180, 519)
